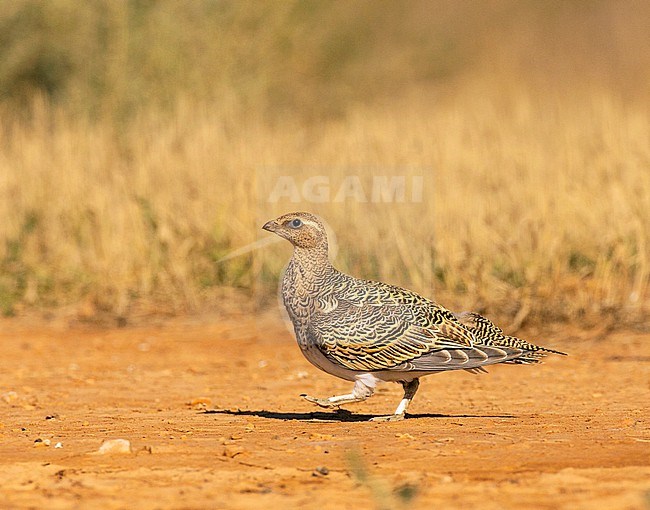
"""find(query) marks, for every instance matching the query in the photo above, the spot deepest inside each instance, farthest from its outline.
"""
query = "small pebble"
(321, 471)
(232, 451)
(200, 402)
(114, 446)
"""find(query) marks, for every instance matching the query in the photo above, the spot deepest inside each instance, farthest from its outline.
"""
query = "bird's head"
(301, 229)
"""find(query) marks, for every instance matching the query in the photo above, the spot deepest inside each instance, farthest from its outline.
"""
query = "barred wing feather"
(365, 336)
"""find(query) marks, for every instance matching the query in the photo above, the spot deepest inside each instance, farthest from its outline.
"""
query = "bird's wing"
(376, 335)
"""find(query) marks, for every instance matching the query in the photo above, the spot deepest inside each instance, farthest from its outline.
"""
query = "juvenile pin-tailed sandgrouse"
(366, 331)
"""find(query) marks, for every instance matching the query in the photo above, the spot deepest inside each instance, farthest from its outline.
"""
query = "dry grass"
(534, 206)
(139, 143)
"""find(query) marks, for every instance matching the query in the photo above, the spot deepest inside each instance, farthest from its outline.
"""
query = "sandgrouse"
(367, 331)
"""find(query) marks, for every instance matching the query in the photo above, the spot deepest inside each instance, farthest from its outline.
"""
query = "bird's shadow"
(340, 415)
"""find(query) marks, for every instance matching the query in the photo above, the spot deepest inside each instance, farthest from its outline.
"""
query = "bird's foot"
(390, 417)
(322, 402)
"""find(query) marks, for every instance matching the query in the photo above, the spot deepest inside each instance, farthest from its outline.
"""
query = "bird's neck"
(311, 262)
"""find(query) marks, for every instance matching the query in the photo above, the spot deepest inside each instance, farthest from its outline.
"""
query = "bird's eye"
(295, 223)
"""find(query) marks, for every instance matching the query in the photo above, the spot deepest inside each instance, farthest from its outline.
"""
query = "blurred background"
(139, 139)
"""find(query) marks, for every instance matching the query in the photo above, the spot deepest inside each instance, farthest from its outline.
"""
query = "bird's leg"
(363, 388)
(409, 392)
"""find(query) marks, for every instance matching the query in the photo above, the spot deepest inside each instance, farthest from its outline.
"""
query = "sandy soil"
(212, 411)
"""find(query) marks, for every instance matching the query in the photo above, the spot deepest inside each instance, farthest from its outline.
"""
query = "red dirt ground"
(211, 408)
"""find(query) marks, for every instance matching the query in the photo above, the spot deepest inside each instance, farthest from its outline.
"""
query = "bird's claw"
(390, 417)
(322, 402)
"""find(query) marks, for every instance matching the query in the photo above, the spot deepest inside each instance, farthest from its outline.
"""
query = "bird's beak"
(271, 226)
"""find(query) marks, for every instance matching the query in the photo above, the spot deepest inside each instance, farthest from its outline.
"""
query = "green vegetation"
(385, 497)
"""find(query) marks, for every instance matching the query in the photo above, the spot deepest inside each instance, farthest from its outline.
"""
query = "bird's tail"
(487, 333)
